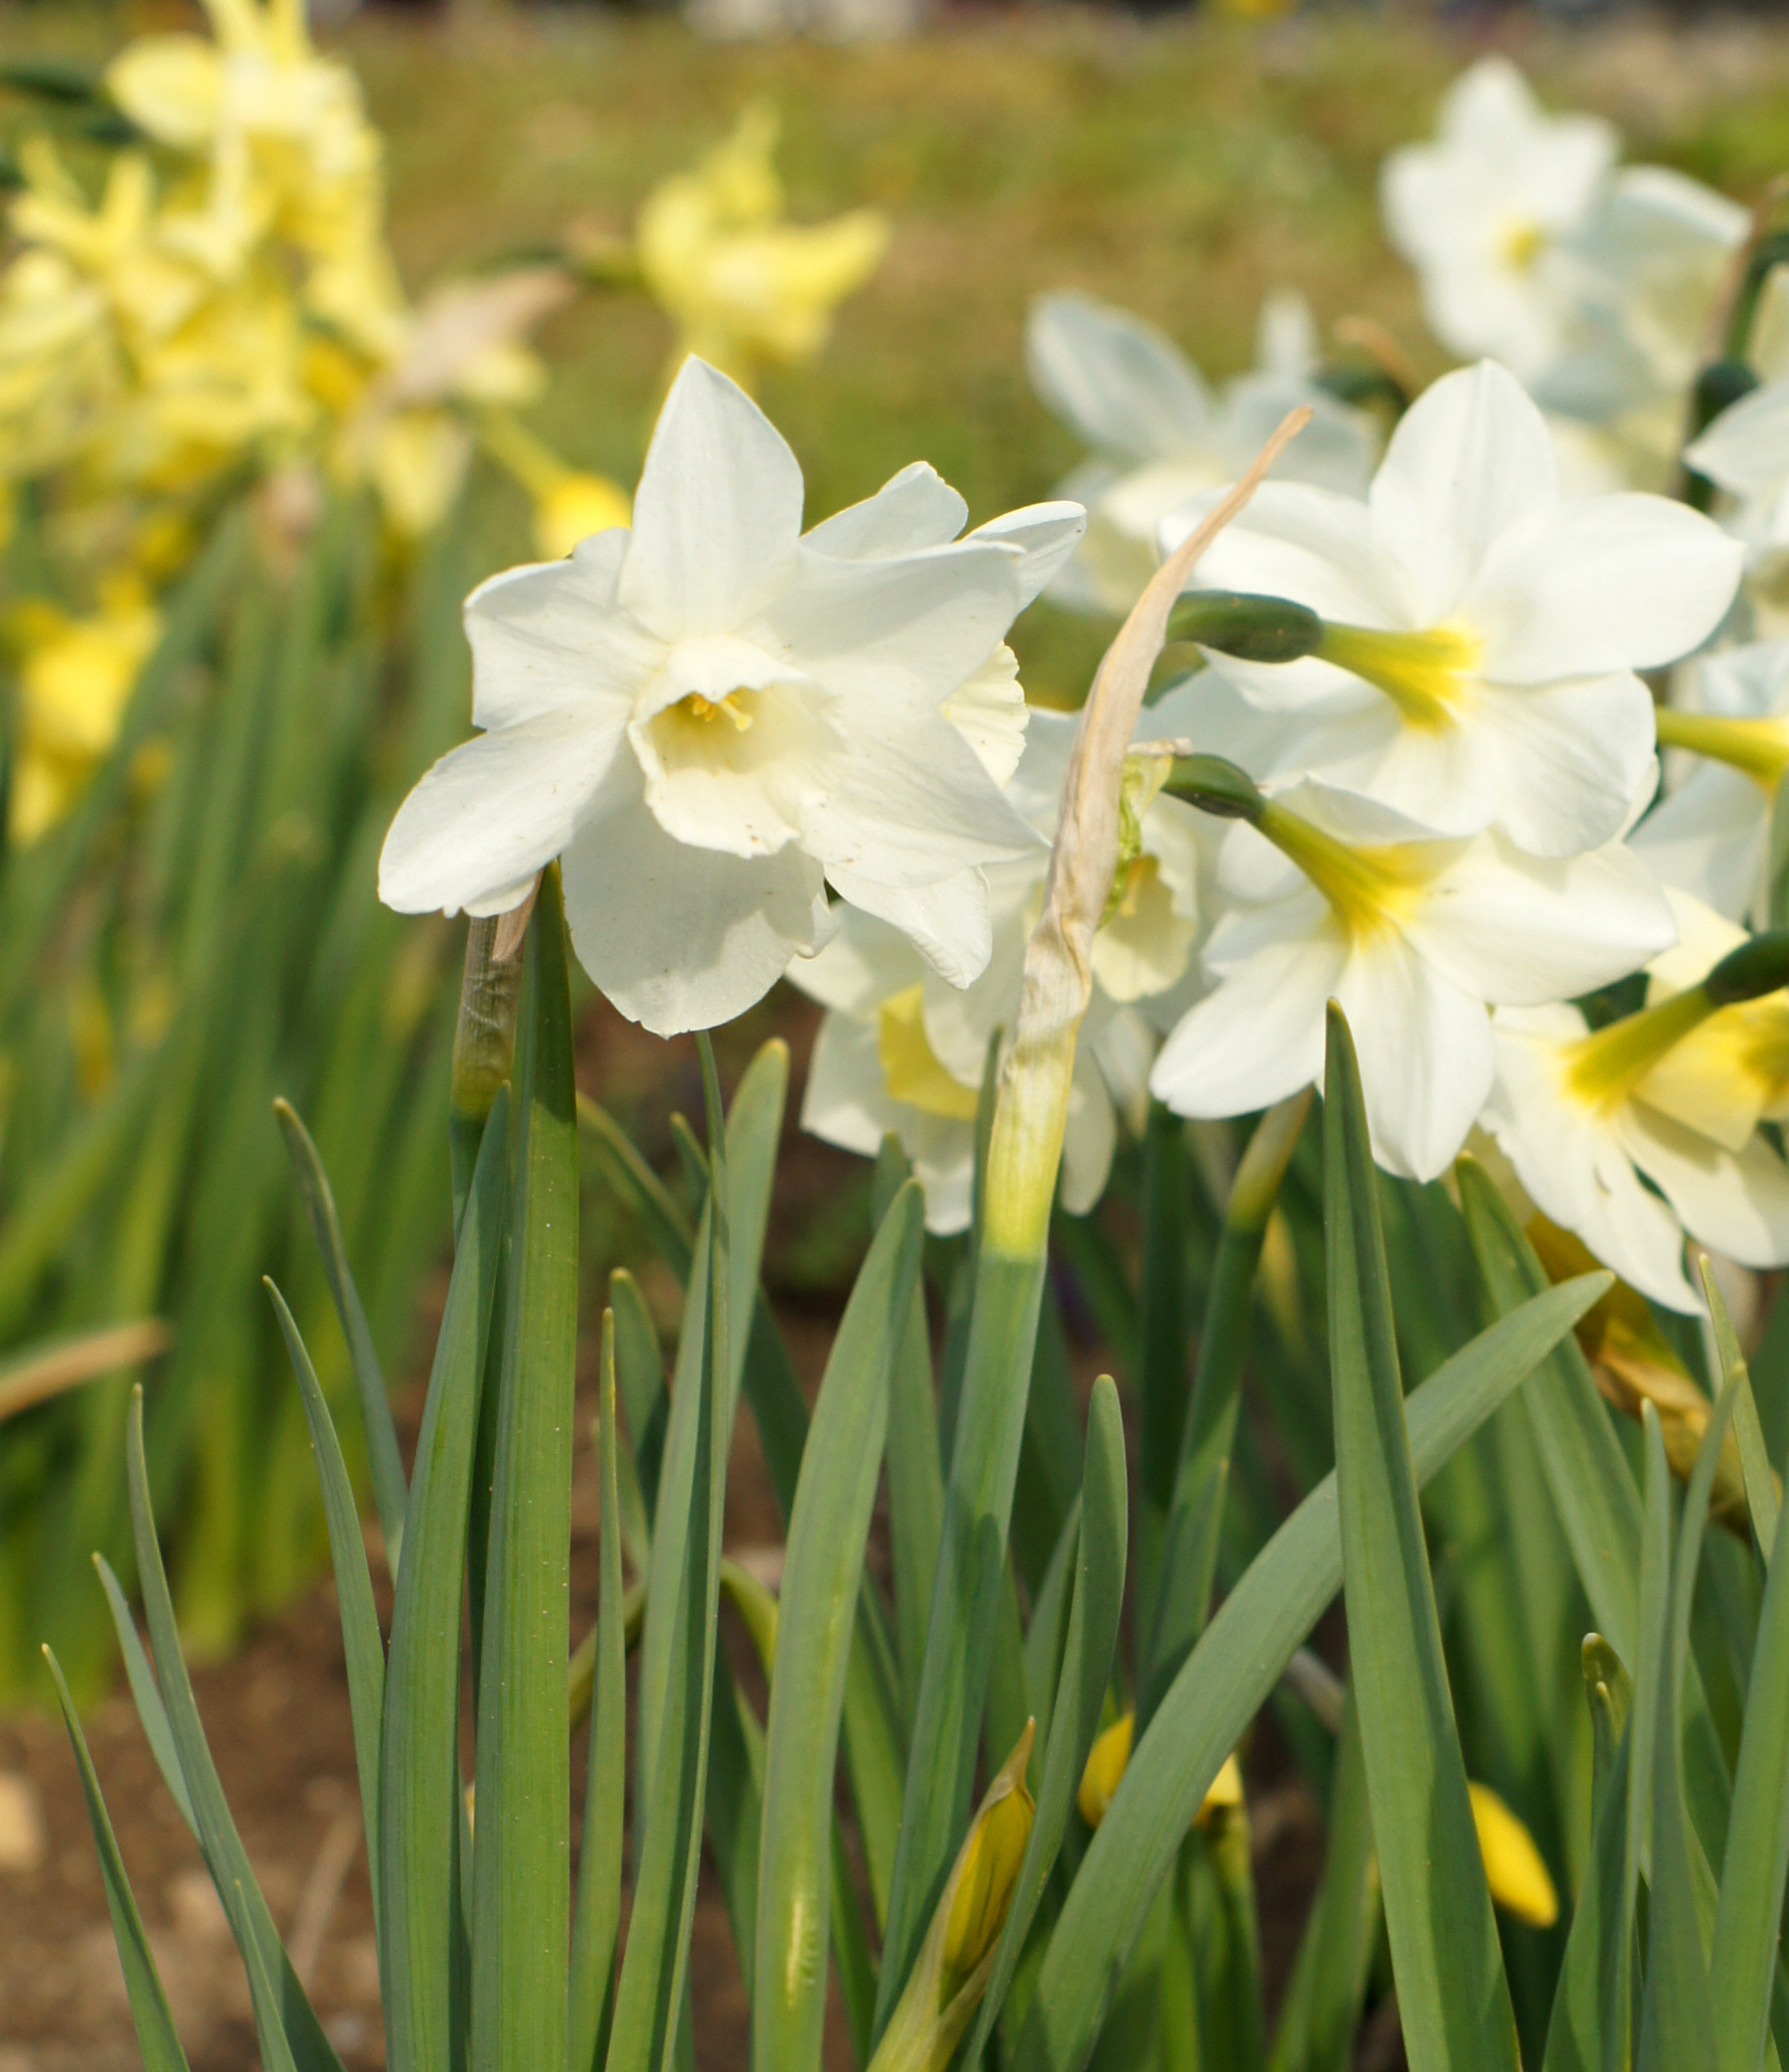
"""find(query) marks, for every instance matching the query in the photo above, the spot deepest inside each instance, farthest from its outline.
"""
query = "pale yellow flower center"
(702, 711)
(1370, 889)
(912, 1069)
(1426, 674)
(1602, 1069)
(1522, 243)
(1759, 748)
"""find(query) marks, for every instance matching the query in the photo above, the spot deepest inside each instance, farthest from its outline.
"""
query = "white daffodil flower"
(900, 1051)
(1160, 433)
(709, 718)
(1482, 630)
(1647, 265)
(1479, 213)
(1415, 936)
(1570, 1111)
(1710, 835)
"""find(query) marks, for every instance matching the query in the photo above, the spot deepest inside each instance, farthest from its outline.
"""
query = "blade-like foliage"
(1453, 1998)
(840, 1469)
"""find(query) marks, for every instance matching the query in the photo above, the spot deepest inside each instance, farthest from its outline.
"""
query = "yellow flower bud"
(1107, 1763)
(1514, 1869)
(983, 1888)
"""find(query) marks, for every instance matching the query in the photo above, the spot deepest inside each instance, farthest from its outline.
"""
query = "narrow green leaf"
(598, 1920)
(225, 1857)
(269, 2027)
(1761, 1498)
(1676, 2027)
(143, 1690)
(421, 1802)
(678, 1658)
(1227, 1677)
(390, 1495)
(522, 1861)
(156, 2037)
(915, 1471)
(1453, 1999)
(1163, 1332)
(640, 1381)
(650, 1205)
(363, 1646)
(822, 1574)
(1746, 1927)
(1202, 1476)
(1096, 1606)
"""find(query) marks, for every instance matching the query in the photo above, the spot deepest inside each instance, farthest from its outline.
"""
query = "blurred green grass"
(1180, 169)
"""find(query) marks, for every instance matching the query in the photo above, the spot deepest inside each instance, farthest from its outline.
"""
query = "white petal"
(551, 633)
(1258, 1037)
(1517, 930)
(1746, 448)
(1603, 583)
(1303, 542)
(1709, 837)
(1046, 535)
(682, 939)
(1572, 1165)
(846, 1099)
(1567, 760)
(717, 512)
(858, 967)
(989, 711)
(916, 508)
(1128, 390)
(492, 812)
(908, 628)
(1088, 1139)
(1747, 682)
(1470, 458)
(948, 922)
(1426, 1054)
(1736, 1205)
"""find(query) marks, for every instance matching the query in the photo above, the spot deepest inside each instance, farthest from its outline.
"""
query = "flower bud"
(1755, 968)
(1514, 1868)
(986, 1875)
(1253, 629)
(1215, 786)
(1107, 1763)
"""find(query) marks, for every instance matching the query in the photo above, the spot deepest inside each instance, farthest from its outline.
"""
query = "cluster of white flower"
(760, 752)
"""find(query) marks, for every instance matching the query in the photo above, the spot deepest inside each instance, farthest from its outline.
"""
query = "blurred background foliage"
(1181, 170)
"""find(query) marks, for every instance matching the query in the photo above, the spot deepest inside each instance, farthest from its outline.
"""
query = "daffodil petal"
(1122, 385)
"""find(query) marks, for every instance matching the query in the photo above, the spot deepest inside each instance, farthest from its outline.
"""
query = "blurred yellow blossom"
(75, 679)
(744, 287)
(569, 504)
(1514, 1868)
(1109, 1758)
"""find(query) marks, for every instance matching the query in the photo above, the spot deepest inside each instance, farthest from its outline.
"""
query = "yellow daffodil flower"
(744, 287)
(75, 677)
(1109, 1758)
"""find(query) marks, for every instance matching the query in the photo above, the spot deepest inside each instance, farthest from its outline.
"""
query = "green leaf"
(1163, 1332)
(148, 1697)
(598, 1920)
(822, 1574)
(1453, 1999)
(420, 1805)
(156, 2037)
(522, 1862)
(1202, 1474)
(1761, 1498)
(363, 1646)
(650, 1205)
(678, 1659)
(390, 1495)
(1592, 2012)
(1094, 1610)
(915, 1472)
(1747, 1924)
(940, 1772)
(640, 1381)
(1676, 2025)
(1227, 1677)
(225, 1857)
